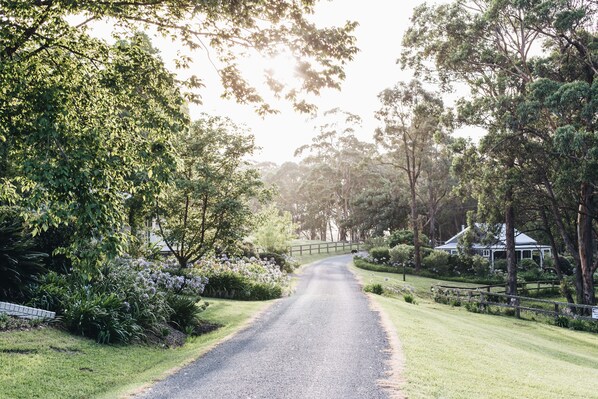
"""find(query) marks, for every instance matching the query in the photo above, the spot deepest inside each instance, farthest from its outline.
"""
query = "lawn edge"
(394, 382)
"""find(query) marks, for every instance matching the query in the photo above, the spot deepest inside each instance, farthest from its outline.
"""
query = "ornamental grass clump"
(242, 278)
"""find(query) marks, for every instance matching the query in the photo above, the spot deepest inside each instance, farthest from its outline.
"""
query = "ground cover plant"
(452, 353)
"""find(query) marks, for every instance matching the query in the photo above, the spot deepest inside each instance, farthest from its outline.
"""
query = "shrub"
(374, 289)
(380, 254)
(561, 321)
(406, 237)
(373, 242)
(473, 307)
(245, 279)
(528, 265)
(480, 266)
(185, 312)
(364, 264)
(500, 264)
(409, 298)
(401, 254)
(285, 263)
(437, 262)
(126, 298)
(20, 264)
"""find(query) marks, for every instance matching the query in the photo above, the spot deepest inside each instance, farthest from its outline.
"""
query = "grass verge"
(452, 353)
(48, 363)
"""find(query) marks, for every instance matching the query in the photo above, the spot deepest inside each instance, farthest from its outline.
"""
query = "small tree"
(274, 230)
(207, 205)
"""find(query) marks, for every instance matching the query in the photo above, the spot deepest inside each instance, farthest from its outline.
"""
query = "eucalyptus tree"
(411, 117)
(206, 206)
(335, 159)
(500, 50)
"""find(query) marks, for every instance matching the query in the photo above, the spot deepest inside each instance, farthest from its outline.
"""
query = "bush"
(437, 262)
(409, 298)
(480, 266)
(374, 289)
(185, 312)
(285, 263)
(20, 264)
(125, 299)
(406, 237)
(500, 264)
(527, 265)
(373, 242)
(567, 265)
(244, 279)
(365, 265)
(380, 254)
(401, 254)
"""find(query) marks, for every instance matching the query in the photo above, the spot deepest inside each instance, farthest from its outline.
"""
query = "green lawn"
(452, 353)
(60, 365)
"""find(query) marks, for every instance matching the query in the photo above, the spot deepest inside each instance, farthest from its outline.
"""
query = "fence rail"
(324, 247)
(483, 297)
(524, 286)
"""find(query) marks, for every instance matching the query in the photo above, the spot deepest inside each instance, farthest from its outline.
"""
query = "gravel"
(322, 342)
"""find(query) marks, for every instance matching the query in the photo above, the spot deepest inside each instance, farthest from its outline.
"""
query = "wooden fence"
(484, 297)
(325, 247)
(524, 286)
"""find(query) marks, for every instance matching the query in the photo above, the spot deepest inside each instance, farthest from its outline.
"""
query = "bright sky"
(381, 27)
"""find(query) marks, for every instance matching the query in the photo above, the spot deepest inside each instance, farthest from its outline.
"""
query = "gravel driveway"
(321, 342)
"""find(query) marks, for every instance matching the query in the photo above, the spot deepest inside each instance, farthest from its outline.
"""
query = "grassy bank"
(452, 353)
(48, 363)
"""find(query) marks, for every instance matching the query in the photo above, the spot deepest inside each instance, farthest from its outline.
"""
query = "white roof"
(521, 240)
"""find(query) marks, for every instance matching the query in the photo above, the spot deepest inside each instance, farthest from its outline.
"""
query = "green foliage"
(207, 204)
(401, 254)
(119, 304)
(528, 265)
(409, 298)
(374, 288)
(185, 312)
(500, 264)
(20, 264)
(437, 262)
(380, 254)
(373, 242)
(406, 237)
(363, 264)
(561, 321)
(243, 279)
(274, 231)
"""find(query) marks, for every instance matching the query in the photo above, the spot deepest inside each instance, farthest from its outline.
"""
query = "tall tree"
(411, 117)
(490, 46)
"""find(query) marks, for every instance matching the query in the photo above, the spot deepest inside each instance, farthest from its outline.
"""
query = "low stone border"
(25, 311)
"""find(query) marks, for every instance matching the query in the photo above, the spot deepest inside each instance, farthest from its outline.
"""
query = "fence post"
(556, 310)
(310, 249)
(300, 250)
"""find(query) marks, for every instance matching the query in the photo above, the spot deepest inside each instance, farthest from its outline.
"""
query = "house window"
(453, 252)
(486, 253)
(527, 254)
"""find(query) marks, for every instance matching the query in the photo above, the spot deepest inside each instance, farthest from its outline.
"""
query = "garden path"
(323, 341)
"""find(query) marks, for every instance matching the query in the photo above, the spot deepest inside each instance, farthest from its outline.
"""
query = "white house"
(525, 246)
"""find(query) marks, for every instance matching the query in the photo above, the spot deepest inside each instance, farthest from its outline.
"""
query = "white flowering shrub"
(128, 297)
(242, 278)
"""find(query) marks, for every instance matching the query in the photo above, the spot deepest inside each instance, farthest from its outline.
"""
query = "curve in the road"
(324, 341)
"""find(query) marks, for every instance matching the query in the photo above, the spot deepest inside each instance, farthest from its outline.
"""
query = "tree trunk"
(555, 252)
(415, 227)
(585, 239)
(510, 243)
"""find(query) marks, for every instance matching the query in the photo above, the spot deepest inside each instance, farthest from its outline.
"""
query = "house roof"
(521, 239)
